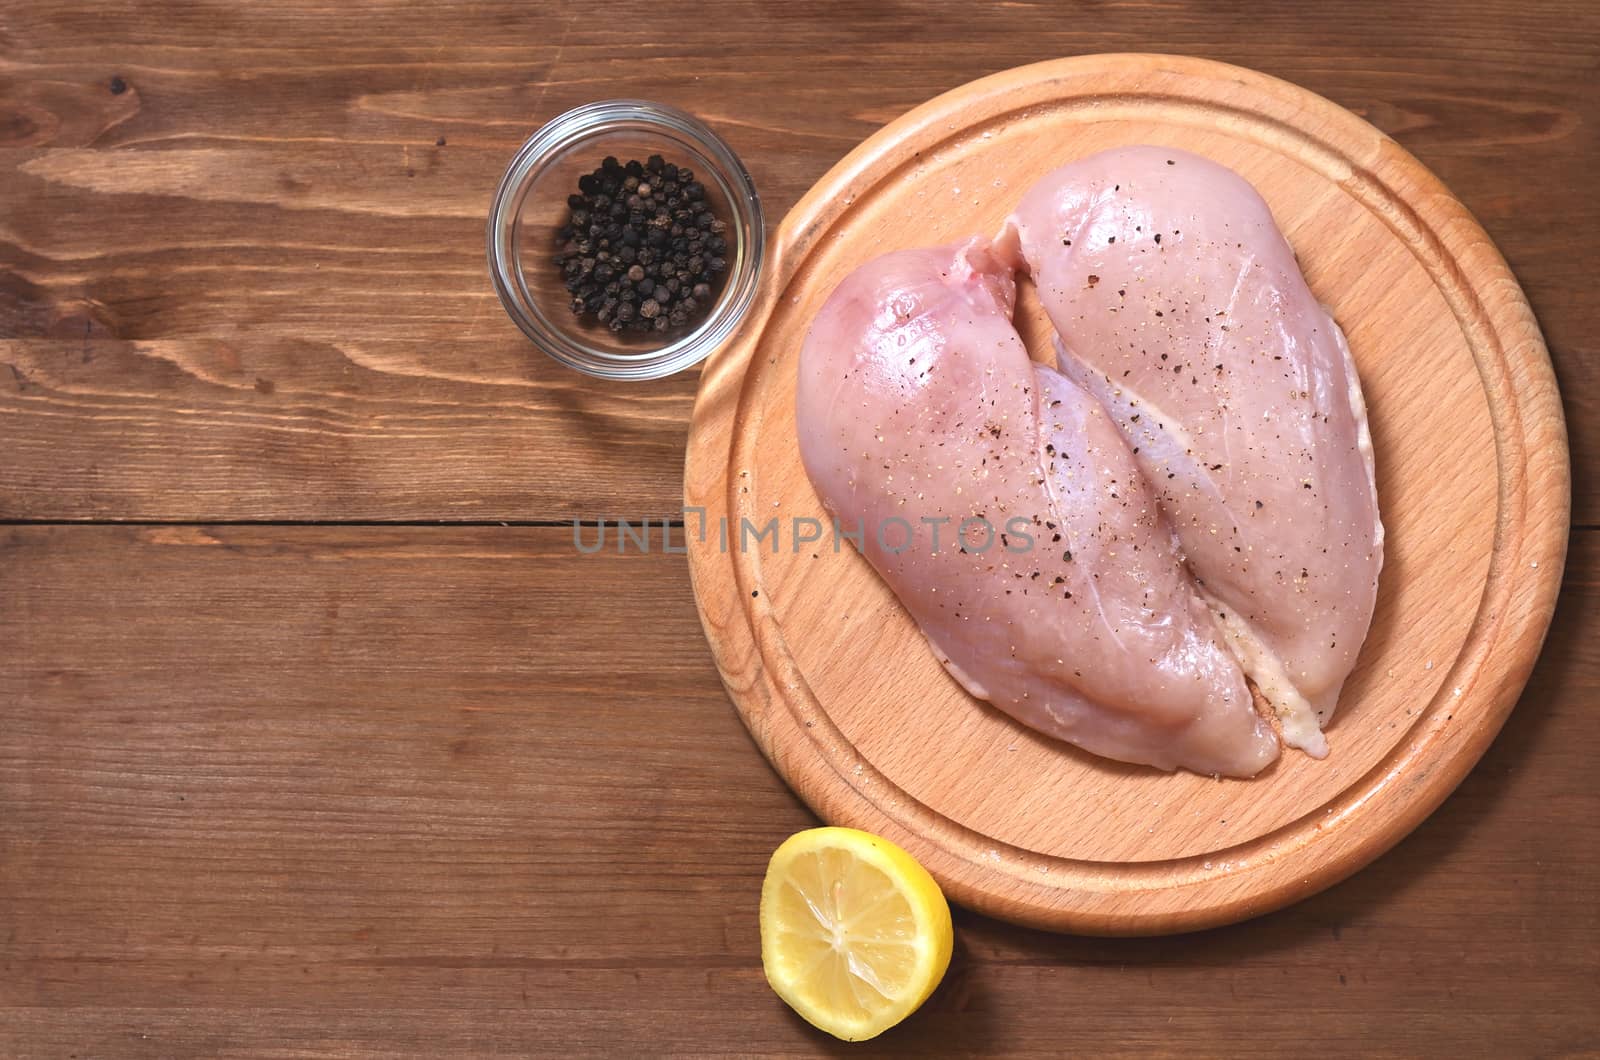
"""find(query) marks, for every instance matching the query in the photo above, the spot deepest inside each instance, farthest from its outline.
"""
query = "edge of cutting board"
(1374, 811)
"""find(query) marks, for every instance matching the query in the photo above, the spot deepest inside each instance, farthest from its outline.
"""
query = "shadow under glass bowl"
(531, 205)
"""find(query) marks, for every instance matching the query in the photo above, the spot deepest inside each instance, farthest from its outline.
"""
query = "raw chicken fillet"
(1064, 602)
(1181, 307)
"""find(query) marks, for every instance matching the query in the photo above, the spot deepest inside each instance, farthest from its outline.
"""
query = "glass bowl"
(531, 205)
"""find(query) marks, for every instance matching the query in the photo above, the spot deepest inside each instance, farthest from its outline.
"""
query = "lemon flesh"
(854, 933)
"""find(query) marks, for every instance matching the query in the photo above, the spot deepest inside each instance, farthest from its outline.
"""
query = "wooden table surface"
(318, 736)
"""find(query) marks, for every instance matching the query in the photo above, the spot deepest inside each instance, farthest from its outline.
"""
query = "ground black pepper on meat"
(642, 249)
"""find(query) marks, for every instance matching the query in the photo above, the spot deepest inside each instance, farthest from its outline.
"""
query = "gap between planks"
(438, 524)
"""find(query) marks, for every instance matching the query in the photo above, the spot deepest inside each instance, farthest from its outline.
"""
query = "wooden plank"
(276, 790)
(367, 429)
(279, 195)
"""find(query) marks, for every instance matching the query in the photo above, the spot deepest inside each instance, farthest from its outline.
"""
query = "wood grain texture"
(268, 183)
(418, 794)
(357, 791)
(835, 679)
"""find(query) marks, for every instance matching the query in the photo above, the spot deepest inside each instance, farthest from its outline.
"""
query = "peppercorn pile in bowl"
(621, 268)
(643, 249)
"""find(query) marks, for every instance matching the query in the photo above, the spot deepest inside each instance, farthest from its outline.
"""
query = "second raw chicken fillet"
(1181, 307)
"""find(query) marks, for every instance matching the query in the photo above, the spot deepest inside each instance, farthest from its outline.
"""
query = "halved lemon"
(854, 933)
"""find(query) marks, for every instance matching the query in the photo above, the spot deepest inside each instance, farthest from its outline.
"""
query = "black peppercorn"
(641, 248)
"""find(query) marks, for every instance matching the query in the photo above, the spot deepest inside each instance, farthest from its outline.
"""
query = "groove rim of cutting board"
(1368, 815)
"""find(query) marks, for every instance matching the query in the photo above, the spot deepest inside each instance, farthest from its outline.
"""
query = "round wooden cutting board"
(846, 699)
